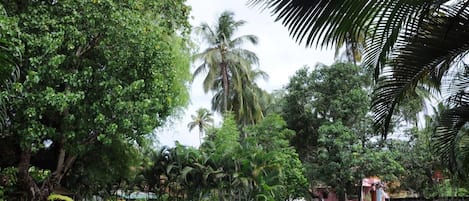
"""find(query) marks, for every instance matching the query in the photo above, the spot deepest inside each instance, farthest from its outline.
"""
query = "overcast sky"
(279, 55)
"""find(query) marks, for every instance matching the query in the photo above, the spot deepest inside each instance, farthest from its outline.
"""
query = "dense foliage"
(95, 77)
(84, 83)
(261, 167)
(334, 133)
(333, 127)
(317, 97)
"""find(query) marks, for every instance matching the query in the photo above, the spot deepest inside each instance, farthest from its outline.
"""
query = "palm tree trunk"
(201, 134)
(225, 86)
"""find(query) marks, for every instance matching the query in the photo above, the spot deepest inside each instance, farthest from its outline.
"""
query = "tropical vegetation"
(333, 127)
(85, 85)
(409, 44)
(229, 69)
(203, 120)
(263, 166)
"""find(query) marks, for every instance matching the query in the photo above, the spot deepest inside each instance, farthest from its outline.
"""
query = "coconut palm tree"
(409, 43)
(224, 60)
(250, 101)
(203, 119)
(247, 99)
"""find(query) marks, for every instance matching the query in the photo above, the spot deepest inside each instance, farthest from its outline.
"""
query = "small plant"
(7, 181)
(39, 174)
(55, 197)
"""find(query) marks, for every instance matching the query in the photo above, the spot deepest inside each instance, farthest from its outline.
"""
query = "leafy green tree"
(270, 137)
(316, 97)
(226, 144)
(342, 162)
(263, 166)
(203, 120)
(333, 127)
(107, 168)
(226, 139)
(337, 145)
(228, 65)
(87, 82)
(419, 168)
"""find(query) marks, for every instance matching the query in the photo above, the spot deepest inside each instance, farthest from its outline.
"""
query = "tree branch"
(93, 43)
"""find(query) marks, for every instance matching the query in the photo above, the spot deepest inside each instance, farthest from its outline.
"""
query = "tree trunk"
(30, 187)
(225, 86)
(63, 165)
(25, 181)
(341, 196)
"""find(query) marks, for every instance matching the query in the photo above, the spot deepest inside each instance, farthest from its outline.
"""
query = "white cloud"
(280, 56)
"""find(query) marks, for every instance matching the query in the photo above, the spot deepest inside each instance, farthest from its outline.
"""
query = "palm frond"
(257, 73)
(242, 55)
(237, 42)
(325, 22)
(394, 21)
(448, 134)
(217, 101)
(407, 41)
(205, 31)
(451, 135)
(455, 93)
(191, 125)
(227, 25)
(211, 58)
(415, 58)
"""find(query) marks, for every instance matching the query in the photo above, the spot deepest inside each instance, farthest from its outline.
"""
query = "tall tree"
(269, 140)
(225, 60)
(203, 120)
(333, 127)
(315, 97)
(87, 82)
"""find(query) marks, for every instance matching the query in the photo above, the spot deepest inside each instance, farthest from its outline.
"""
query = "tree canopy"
(315, 97)
(93, 74)
(333, 128)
